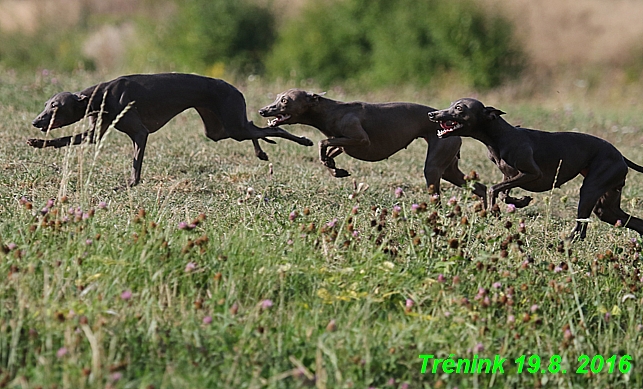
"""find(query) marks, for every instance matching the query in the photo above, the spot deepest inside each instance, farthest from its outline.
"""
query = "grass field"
(285, 280)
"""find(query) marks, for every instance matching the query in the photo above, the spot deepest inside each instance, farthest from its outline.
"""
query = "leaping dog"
(537, 160)
(371, 132)
(154, 100)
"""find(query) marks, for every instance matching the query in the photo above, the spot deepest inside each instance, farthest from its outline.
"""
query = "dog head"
(61, 110)
(290, 106)
(463, 118)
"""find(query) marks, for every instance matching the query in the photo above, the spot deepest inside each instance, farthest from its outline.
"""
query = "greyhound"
(371, 132)
(154, 100)
(537, 160)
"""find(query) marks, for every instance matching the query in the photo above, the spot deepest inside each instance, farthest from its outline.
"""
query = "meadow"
(223, 271)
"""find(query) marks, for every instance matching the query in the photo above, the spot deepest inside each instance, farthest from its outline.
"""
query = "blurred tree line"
(370, 42)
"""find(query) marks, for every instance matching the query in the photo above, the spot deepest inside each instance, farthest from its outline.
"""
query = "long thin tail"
(634, 166)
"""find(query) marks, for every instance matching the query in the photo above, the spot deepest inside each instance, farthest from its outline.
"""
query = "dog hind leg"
(608, 209)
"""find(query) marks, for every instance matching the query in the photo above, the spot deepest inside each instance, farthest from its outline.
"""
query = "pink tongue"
(446, 125)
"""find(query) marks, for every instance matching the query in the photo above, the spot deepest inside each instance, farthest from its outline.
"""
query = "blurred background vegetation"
(480, 44)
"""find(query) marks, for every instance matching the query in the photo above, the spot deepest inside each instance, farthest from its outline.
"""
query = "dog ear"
(80, 98)
(492, 113)
(315, 96)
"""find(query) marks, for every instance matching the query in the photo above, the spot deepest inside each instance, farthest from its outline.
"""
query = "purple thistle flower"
(511, 319)
(452, 201)
(86, 216)
(409, 303)
(511, 208)
(440, 278)
(44, 211)
(534, 308)
(332, 223)
(50, 203)
(415, 207)
(496, 285)
(190, 266)
(397, 209)
(355, 233)
(12, 246)
(293, 215)
(183, 226)
(126, 295)
(102, 205)
(399, 192)
(116, 376)
(207, 320)
(88, 242)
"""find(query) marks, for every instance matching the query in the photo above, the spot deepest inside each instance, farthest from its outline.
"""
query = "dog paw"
(340, 173)
(262, 156)
(519, 203)
(37, 143)
(306, 142)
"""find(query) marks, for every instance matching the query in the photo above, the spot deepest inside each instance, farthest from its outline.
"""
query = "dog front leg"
(514, 182)
(258, 151)
(139, 141)
(327, 154)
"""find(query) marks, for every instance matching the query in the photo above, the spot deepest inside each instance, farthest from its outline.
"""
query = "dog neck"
(317, 114)
(494, 134)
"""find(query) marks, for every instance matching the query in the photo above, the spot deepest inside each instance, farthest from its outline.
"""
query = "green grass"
(124, 298)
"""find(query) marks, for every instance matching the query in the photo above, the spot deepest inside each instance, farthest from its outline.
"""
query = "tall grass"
(216, 273)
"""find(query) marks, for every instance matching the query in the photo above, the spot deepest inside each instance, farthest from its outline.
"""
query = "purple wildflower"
(61, 352)
(266, 304)
(126, 295)
(207, 320)
(478, 348)
(511, 208)
(190, 266)
(399, 192)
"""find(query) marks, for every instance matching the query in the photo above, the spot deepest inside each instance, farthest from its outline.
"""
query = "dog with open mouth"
(370, 132)
(537, 161)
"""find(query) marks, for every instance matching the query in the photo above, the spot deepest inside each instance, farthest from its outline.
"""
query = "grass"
(216, 273)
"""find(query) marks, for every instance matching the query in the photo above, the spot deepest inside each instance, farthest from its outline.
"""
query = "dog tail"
(634, 166)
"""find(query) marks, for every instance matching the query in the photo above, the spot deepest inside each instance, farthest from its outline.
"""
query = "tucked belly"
(373, 153)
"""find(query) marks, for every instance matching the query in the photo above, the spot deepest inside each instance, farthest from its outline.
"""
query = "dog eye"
(284, 100)
(458, 108)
